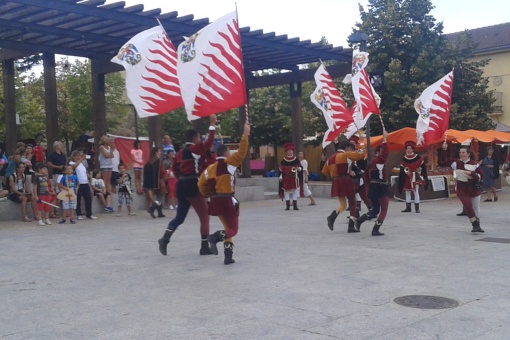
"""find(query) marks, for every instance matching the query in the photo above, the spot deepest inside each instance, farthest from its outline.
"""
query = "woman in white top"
(105, 161)
(306, 190)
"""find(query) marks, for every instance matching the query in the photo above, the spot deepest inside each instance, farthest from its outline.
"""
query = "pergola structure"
(95, 30)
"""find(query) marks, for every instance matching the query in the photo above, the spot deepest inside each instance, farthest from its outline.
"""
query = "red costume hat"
(354, 139)
(288, 146)
(411, 144)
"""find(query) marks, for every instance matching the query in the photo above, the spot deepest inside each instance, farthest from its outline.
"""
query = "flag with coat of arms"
(328, 99)
(210, 69)
(150, 61)
(433, 108)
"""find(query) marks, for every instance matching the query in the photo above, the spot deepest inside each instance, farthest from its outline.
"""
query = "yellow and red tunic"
(337, 167)
(218, 182)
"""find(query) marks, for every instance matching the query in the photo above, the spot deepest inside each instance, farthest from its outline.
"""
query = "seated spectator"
(18, 192)
(100, 191)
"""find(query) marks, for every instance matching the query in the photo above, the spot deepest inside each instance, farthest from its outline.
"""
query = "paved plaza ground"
(293, 277)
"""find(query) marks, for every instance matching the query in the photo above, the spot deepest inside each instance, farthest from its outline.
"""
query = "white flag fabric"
(149, 59)
(328, 99)
(433, 108)
(366, 98)
(210, 69)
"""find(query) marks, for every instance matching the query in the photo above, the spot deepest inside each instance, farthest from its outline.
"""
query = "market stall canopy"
(397, 139)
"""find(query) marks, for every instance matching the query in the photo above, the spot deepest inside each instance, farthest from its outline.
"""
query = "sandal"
(54, 216)
(488, 200)
(313, 203)
(26, 219)
(496, 199)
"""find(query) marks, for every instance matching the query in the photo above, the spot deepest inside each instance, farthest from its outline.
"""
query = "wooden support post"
(98, 105)
(296, 116)
(11, 131)
(50, 100)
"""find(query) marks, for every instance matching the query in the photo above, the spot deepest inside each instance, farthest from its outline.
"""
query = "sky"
(334, 19)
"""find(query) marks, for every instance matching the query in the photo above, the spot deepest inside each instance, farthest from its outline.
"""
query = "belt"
(223, 195)
(378, 181)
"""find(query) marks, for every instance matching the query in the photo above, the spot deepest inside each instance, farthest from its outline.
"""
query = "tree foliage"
(408, 47)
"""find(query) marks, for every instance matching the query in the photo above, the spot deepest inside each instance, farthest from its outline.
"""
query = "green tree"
(408, 47)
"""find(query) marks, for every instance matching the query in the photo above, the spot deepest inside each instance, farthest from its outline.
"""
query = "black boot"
(218, 236)
(476, 226)
(361, 219)
(417, 207)
(287, 203)
(160, 211)
(204, 248)
(294, 205)
(375, 230)
(163, 242)
(331, 219)
(151, 209)
(358, 208)
(351, 227)
(408, 208)
(462, 213)
(229, 251)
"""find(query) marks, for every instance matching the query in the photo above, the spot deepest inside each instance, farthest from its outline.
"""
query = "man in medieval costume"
(357, 172)
(413, 174)
(337, 167)
(291, 177)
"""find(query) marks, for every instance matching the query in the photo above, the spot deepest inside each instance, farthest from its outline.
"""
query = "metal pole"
(367, 131)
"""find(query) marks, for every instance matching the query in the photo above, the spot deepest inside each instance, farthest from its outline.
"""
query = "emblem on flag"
(129, 54)
(188, 51)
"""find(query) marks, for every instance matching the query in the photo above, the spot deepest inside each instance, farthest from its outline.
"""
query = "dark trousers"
(84, 191)
(198, 203)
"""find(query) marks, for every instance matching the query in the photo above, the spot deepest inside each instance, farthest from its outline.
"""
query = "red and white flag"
(150, 61)
(433, 107)
(327, 98)
(367, 100)
(210, 69)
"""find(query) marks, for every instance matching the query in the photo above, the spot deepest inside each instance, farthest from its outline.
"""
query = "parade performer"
(337, 167)
(357, 172)
(186, 166)
(413, 174)
(217, 182)
(468, 183)
(291, 177)
(377, 188)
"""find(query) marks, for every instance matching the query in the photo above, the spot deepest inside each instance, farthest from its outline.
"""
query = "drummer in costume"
(187, 168)
(377, 188)
(337, 167)
(218, 183)
(413, 174)
(291, 177)
(357, 172)
(468, 175)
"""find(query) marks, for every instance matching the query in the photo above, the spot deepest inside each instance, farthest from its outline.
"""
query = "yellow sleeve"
(237, 158)
(356, 155)
(202, 184)
(325, 169)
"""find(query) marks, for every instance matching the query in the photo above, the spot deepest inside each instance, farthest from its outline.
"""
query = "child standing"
(100, 191)
(67, 186)
(42, 193)
(172, 182)
(124, 192)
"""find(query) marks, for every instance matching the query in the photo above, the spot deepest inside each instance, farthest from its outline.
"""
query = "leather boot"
(361, 219)
(294, 205)
(462, 213)
(331, 219)
(228, 251)
(476, 226)
(218, 236)
(287, 203)
(205, 249)
(408, 208)
(351, 227)
(160, 211)
(417, 207)
(151, 209)
(375, 230)
(163, 242)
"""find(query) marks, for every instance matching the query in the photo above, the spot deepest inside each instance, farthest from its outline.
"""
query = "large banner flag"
(210, 69)
(327, 98)
(150, 61)
(433, 107)
(366, 98)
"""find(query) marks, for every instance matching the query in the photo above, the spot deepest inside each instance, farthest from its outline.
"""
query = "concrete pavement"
(293, 278)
